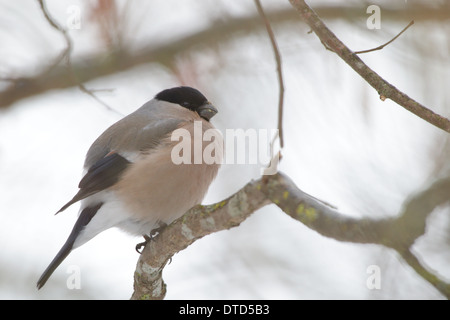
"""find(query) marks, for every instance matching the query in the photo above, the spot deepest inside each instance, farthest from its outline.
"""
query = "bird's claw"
(148, 238)
(140, 245)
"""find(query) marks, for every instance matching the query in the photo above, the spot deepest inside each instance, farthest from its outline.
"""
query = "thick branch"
(280, 190)
(385, 89)
(195, 224)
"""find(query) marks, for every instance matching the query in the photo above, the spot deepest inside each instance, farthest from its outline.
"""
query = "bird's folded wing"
(106, 164)
(103, 174)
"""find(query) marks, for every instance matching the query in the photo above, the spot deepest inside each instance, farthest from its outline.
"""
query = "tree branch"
(384, 89)
(195, 224)
(280, 190)
(93, 67)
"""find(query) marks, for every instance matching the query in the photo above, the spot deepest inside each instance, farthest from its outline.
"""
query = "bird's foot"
(140, 245)
(149, 237)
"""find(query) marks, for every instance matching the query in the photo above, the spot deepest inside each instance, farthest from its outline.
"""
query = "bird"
(130, 180)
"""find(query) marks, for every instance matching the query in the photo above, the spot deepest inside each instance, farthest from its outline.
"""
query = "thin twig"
(66, 55)
(279, 70)
(92, 94)
(387, 43)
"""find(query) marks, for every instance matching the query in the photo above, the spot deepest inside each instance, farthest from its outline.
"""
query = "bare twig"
(279, 70)
(387, 43)
(92, 94)
(66, 55)
(385, 89)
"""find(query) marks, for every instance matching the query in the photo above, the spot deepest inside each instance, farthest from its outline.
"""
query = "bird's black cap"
(186, 97)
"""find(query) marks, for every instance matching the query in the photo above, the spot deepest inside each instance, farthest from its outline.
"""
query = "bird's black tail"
(85, 217)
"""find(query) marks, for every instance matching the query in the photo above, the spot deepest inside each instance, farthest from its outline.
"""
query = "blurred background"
(342, 143)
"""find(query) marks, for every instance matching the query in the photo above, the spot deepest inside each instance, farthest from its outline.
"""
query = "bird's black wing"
(100, 176)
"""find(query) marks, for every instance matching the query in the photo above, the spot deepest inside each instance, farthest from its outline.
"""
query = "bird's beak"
(207, 111)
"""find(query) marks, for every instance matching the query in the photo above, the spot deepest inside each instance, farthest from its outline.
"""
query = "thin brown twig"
(279, 70)
(91, 93)
(384, 88)
(66, 55)
(387, 43)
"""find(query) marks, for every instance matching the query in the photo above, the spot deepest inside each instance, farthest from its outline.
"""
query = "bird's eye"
(186, 104)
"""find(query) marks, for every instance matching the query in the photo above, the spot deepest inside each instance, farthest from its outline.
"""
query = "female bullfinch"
(131, 181)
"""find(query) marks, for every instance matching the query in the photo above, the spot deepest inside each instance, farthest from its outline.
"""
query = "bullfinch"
(130, 180)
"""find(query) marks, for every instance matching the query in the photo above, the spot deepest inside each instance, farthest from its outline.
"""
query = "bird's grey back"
(139, 131)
